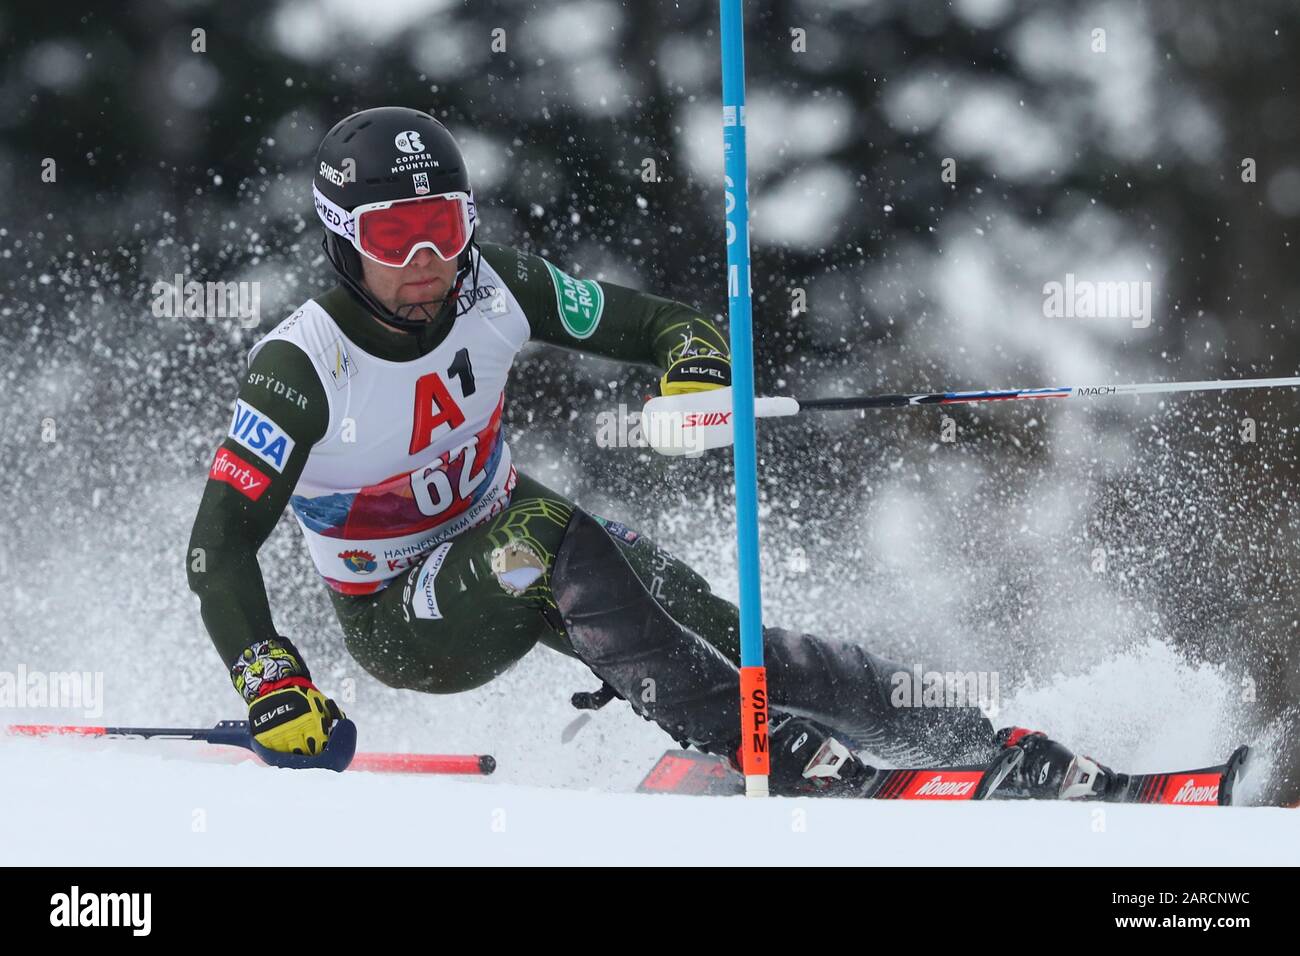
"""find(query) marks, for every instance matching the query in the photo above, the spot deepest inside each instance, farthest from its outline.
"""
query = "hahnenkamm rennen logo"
(359, 562)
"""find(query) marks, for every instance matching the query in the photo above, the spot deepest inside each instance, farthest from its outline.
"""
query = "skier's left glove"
(695, 373)
(286, 712)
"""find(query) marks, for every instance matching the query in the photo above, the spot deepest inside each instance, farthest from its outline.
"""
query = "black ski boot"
(808, 760)
(1050, 771)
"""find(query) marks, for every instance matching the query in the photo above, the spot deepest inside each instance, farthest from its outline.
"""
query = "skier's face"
(426, 278)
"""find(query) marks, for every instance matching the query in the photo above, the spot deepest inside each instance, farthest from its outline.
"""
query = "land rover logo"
(580, 302)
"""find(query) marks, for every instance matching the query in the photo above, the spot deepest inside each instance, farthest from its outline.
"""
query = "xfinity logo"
(239, 474)
(103, 909)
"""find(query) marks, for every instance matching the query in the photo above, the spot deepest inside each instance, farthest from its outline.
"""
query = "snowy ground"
(560, 798)
(1110, 686)
(134, 803)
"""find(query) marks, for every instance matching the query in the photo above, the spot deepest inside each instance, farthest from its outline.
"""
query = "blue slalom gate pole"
(753, 676)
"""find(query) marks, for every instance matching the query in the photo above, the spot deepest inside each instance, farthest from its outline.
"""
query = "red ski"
(1206, 787)
(691, 772)
(694, 773)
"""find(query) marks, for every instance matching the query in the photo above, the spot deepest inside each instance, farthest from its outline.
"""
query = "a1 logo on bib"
(408, 141)
(260, 435)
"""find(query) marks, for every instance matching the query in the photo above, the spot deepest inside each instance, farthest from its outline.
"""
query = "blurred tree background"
(1151, 141)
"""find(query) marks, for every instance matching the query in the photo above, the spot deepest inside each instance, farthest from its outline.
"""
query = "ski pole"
(1015, 394)
(753, 674)
(234, 733)
(693, 423)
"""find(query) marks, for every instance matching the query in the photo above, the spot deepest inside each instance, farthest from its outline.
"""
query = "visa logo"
(260, 435)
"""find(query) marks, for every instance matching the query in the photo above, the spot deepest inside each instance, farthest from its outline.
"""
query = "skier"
(375, 412)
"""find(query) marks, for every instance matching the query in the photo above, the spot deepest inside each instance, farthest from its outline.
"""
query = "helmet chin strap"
(414, 316)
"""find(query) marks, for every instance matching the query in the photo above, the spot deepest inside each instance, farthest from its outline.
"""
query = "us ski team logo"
(359, 562)
(581, 302)
(421, 183)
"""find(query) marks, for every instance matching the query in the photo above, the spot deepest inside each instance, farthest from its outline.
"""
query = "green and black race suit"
(324, 404)
(446, 565)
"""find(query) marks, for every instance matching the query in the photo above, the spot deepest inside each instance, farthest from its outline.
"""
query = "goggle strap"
(336, 219)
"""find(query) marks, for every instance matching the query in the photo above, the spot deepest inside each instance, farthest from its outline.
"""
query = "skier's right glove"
(696, 373)
(286, 712)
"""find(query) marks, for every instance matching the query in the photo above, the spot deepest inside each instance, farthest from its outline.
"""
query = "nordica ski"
(1087, 780)
(699, 774)
(1207, 787)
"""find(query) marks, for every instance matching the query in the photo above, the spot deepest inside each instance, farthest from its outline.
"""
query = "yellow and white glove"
(286, 712)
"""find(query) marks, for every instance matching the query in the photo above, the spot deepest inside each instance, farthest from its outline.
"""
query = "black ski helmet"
(385, 154)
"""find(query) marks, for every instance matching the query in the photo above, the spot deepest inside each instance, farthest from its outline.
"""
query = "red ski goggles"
(391, 233)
